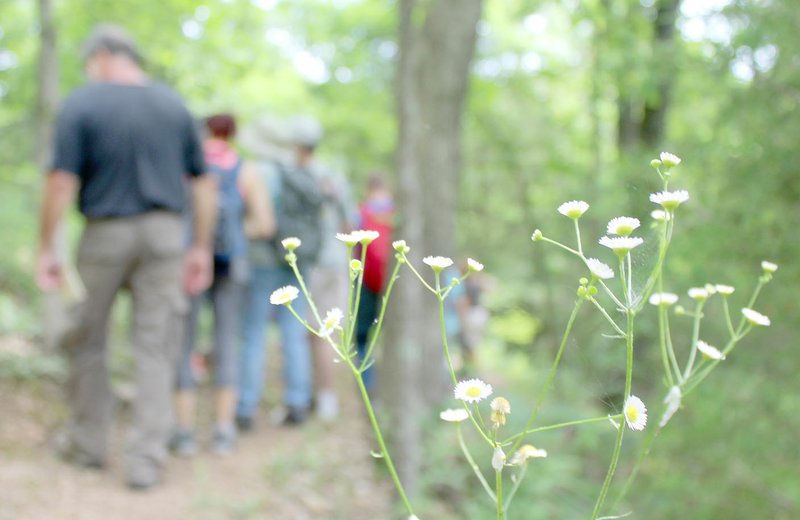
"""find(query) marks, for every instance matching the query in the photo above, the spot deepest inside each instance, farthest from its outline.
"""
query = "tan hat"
(305, 131)
(267, 138)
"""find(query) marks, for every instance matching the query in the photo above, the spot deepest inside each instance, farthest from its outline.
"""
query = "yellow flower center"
(474, 391)
(631, 413)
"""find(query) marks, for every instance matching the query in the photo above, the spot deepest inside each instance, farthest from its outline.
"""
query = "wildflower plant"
(510, 454)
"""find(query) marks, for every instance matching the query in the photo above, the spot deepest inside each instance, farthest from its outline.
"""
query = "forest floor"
(316, 471)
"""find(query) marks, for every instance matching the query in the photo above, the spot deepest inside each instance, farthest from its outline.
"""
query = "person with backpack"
(243, 211)
(297, 200)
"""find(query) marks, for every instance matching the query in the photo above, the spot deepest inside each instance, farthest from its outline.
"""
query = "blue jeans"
(294, 339)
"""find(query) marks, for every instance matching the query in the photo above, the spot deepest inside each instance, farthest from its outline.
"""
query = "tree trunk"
(655, 110)
(47, 91)
(432, 79)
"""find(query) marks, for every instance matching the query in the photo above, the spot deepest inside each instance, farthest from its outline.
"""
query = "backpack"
(229, 237)
(298, 212)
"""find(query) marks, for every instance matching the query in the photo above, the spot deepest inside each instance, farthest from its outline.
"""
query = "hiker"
(244, 211)
(330, 279)
(124, 145)
(297, 200)
(376, 213)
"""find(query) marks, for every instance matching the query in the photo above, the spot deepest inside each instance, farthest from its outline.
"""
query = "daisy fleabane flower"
(498, 459)
(659, 215)
(620, 245)
(526, 452)
(348, 238)
(472, 390)
(599, 269)
(709, 352)
(663, 298)
(365, 236)
(724, 290)
(698, 293)
(622, 226)
(573, 209)
(769, 267)
(454, 415)
(635, 413)
(284, 296)
(500, 408)
(331, 321)
(670, 200)
(291, 243)
(755, 317)
(400, 246)
(474, 265)
(669, 159)
(437, 263)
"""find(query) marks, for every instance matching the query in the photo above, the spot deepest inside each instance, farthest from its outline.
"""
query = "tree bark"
(47, 88)
(436, 45)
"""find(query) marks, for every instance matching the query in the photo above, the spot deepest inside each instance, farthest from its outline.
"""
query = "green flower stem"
(562, 246)
(611, 295)
(481, 425)
(444, 332)
(379, 325)
(727, 311)
(346, 339)
(474, 466)
(419, 276)
(629, 272)
(623, 276)
(578, 236)
(376, 428)
(643, 453)
(671, 348)
(662, 340)
(307, 294)
(702, 374)
(698, 315)
(561, 425)
(607, 317)
(499, 486)
(612, 468)
(549, 381)
(656, 274)
(520, 478)
(354, 314)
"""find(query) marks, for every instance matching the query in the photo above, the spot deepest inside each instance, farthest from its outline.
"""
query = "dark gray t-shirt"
(131, 146)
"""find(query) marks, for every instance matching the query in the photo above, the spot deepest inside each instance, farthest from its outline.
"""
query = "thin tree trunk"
(47, 91)
(655, 110)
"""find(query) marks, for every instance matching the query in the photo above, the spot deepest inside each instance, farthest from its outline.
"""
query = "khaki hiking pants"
(144, 254)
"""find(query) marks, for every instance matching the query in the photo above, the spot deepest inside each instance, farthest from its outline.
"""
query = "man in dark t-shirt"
(126, 147)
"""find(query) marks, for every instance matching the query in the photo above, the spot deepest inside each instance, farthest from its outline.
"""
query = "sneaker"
(224, 440)
(289, 416)
(327, 405)
(143, 475)
(244, 423)
(183, 443)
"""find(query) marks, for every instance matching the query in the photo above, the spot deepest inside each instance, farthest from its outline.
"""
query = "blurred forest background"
(567, 99)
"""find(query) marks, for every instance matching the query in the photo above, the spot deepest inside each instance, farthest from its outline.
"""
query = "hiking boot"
(143, 475)
(244, 423)
(183, 443)
(224, 440)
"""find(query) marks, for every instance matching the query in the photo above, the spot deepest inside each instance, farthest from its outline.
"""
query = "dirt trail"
(317, 471)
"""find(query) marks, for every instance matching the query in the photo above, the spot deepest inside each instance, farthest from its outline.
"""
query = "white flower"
(472, 390)
(698, 293)
(500, 408)
(725, 290)
(623, 226)
(527, 452)
(670, 200)
(620, 245)
(769, 267)
(365, 236)
(284, 295)
(400, 246)
(438, 263)
(573, 209)
(348, 238)
(498, 459)
(663, 298)
(474, 265)
(331, 322)
(537, 235)
(659, 215)
(635, 413)
(454, 415)
(291, 243)
(756, 318)
(708, 351)
(669, 159)
(673, 402)
(599, 269)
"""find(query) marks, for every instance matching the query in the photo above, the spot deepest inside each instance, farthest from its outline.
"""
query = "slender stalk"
(612, 468)
(562, 246)
(419, 276)
(695, 337)
(303, 288)
(376, 428)
(728, 320)
(662, 339)
(474, 466)
(607, 317)
(520, 478)
(578, 236)
(499, 486)
(562, 425)
(379, 325)
(552, 372)
(444, 333)
(671, 348)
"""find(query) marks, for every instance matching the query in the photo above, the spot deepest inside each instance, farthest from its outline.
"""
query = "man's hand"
(49, 273)
(197, 270)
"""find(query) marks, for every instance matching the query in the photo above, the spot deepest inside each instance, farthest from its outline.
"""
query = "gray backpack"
(298, 212)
